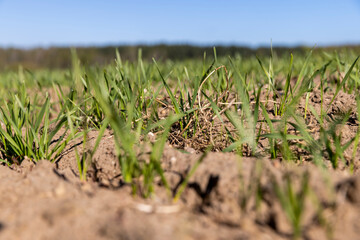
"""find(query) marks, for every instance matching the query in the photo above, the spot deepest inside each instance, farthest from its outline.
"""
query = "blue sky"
(25, 23)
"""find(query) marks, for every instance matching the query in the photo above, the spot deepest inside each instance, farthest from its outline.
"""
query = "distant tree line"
(60, 57)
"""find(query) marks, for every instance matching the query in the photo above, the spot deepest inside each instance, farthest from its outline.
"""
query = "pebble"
(60, 190)
(173, 160)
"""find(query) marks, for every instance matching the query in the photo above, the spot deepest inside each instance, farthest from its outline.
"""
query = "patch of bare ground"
(221, 200)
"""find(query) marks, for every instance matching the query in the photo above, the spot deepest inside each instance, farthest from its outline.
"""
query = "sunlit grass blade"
(342, 84)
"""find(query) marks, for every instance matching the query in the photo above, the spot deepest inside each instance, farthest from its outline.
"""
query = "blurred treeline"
(60, 57)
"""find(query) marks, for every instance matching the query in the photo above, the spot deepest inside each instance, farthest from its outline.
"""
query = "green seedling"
(149, 170)
(341, 85)
(127, 137)
(357, 136)
(30, 133)
(293, 203)
(332, 141)
(189, 175)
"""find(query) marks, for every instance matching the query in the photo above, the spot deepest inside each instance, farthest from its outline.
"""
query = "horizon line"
(180, 43)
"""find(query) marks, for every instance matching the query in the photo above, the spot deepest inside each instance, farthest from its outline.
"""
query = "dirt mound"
(227, 198)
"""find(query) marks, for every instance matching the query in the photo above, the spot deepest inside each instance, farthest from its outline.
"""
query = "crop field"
(220, 148)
